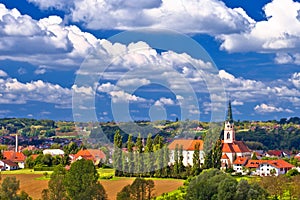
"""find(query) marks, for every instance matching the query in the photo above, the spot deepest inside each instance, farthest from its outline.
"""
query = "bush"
(43, 168)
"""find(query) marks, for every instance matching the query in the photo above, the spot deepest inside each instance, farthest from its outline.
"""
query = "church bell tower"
(229, 134)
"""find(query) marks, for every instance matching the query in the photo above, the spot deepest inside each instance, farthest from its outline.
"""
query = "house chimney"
(16, 142)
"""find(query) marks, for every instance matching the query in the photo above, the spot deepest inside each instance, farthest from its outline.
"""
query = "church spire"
(229, 113)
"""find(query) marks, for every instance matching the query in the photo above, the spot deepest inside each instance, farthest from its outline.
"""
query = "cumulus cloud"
(265, 108)
(13, 91)
(280, 31)
(164, 101)
(3, 73)
(206, 16)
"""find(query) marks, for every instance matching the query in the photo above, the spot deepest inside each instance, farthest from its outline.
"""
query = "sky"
(104, 60)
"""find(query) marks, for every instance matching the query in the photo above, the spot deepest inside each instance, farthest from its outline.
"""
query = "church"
(231, 149)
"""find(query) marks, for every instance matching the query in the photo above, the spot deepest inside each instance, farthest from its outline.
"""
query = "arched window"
(228, 135)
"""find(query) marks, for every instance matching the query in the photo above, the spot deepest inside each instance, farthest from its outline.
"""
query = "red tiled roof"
(188, 145)
(275, 153)
(235, 147)
(10, 163)
(14, 156)
(254, 163)
(279, 164)
(240, 160)
(90, 154)
(224, 156)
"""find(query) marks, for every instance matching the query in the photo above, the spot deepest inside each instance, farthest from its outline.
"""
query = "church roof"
(188, 145)
(235, 147)
(224, 156)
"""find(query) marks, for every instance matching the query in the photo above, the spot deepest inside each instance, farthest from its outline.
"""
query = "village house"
(7, 165)
(54, 152)
(16, 157)
(188, 148)
(96, 155)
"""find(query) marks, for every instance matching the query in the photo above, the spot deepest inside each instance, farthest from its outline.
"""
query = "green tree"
(180, 162)
(149, 161)
(140, 189)
(166, 160)
(81, 182)
(196, 160)
(159, 156)
(227, 189)
(130, 155)
(117, 155)
(217, 154)
(242, 190)
(9, 190)
(56, 185)
(139, 161)
(176, 161)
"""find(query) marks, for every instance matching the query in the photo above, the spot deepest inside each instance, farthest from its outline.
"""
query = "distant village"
(236, 155)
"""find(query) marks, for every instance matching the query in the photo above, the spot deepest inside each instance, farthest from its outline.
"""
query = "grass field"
(34, 182)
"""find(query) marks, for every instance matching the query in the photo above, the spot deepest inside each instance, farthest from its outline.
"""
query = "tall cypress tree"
(149, 160)
(217, 154)
(196, 160)
(130, 155)
(139, 161)
(117, 155)
(180, 164)
(166, 154)
(159, 155)
(176, 162)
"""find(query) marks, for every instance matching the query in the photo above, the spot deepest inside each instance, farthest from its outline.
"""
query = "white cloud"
(295, 79)
(265, 108)
(237, 103)
(3, 73)
(121, 96)
(164, 101)
(280, 31)
(206, 16)
(14, 92)
(133, 82)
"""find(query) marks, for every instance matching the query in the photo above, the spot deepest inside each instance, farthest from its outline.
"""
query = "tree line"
(152, 158)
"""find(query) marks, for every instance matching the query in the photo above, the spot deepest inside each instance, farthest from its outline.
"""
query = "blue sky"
(47, 71)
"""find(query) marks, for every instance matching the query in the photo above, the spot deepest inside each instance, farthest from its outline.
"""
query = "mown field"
(34, 182)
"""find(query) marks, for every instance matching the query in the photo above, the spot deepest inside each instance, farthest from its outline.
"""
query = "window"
(228, 135)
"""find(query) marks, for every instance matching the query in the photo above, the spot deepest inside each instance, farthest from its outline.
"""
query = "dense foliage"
(80, 182)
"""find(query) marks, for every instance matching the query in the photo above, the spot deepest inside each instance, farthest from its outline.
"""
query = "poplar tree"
(149, 160)
(196, 160)
(117, 155)
(180, 164)
(139, 161)
(130, 155)
(176, 162)
(159, 155)
(166, 161)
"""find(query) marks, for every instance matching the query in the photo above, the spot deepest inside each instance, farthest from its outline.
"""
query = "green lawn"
(25, 171)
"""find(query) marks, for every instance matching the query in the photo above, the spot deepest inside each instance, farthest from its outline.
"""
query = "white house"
(274, 167)
(239, 164)
(8, 165)
(188, 147)
(54, 152)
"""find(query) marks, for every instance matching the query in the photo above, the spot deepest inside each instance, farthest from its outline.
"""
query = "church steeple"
(229, 113)
(229, 133)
